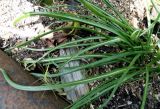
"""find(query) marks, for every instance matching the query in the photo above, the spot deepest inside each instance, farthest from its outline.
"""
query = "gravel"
(10, 10)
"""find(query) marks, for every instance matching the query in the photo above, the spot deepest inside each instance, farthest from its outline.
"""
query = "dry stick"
(75, 92)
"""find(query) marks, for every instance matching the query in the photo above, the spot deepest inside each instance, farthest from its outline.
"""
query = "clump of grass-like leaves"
(139, 51)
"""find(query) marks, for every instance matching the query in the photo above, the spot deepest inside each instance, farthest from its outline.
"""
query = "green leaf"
(57, 86)
(120, 81)
(145, 90)
(135, 35)
(72, 17)
(101, 13)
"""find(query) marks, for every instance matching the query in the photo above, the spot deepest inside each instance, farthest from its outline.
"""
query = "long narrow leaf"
(70, 17)
(120, 81)
(145, 89)
(57, 86)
